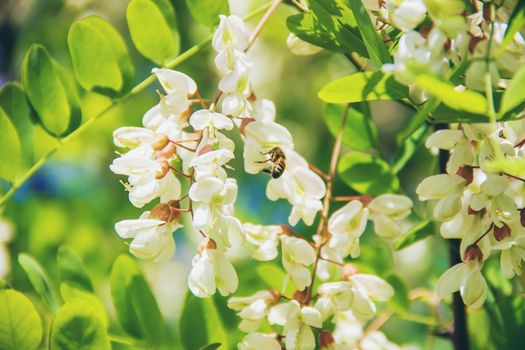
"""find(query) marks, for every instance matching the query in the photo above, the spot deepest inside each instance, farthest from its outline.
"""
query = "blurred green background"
(74, 200)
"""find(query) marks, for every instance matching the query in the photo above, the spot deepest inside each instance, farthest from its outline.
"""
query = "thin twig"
(263, 21)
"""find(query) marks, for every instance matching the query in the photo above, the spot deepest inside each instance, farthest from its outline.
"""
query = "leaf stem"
(135, 90)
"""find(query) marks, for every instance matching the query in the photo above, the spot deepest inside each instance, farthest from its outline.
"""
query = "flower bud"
(164, 168)
(162, 212)
(300, 47)
(276, 295)
(301, 296)
(175, 213)
(326, 339)
(206, 149)
(166, 152)
(466, 172)
(206, 244)
(473, 252)
(161, 142)
(500, 233)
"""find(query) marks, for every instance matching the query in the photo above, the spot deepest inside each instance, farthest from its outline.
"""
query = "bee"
(278, 160)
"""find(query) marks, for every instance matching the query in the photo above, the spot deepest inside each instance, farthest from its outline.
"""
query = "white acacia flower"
(211, 271)
(138, 161)
(173, 81)
(386, 210)
(326, 269)
(303, 188)
(406, 14)
(300, 47)
(466, 278)
(491, 196)
(231, 32)
(512, 255)
(297, 255)
(346, 225)
(210, 195)
(144, 189)
(204, 118)
(152, 238)
(253, 309)
(447, 189)
(259, 341)
(456, 141)
(264, 110)
(132, 137)
(297, 322)
(261, 136)
(367, 288)
(265, 238)
(340, 294)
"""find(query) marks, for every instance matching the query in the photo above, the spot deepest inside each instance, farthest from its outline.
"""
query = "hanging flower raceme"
(253, 309)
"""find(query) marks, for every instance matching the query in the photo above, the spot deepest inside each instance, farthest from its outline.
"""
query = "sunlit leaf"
(135, 306)
(409, 147)
(365, 86)
(377, 50)
(400, 301)
(464, 100)
(153, 28)
(72, 269)
(360, 133)
(418, 232)
(10, 148)
(207, 11)
(275, 278)
(20, 325)
(200, 324)
(14, 102)
(367, 174)
(516, 23)
(329, 24)
(71, 292)
(515, 93)
(50, 92)
(212, 346)
(99, 56)
(77, 326)
(39, 280)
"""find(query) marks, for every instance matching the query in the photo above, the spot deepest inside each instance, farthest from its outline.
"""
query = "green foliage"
(20, 325)
(153, 28)
(207, 11)
(400, 302)
(14, 102)
(418, 232)
(10, 149)
(409, 147)
(360, 133)
(39, 280)
(365, 86)
(72, 269)
(200, 324)
(367, 174)
(466, 100)
(515, 93)
(50, 92)
(516, 23)
(77, 326)
(274, 276)
(212, 346)
(135, 306)
(330, 24)
(100, 57)
(71, 292)
(377, 50)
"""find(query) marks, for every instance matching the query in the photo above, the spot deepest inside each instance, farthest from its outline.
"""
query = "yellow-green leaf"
(153, 29)
(10, 148)
(207, 11)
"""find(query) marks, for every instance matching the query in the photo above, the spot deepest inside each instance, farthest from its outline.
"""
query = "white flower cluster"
(452, 37)
(181, 141)
(482, 208)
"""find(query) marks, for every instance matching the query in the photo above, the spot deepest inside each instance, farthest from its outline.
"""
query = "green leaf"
(207, 11)
(200, 324)
(274, 277)
(418, 232)
(365, 86)
(516, 23)
(329, 24)
(212, 346)
(72, 269)
(77, 326)
(511, 166)
(39, 280)
(10, 148)
(135, 306)
(367, 174)
(20, 325)
(15, 104)
(515, 93)
(71, 292)
(360, 133)
(466, 100)
(377, 50)
(400, 301)
(153, 28)
(50, 92)
(100, 57)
